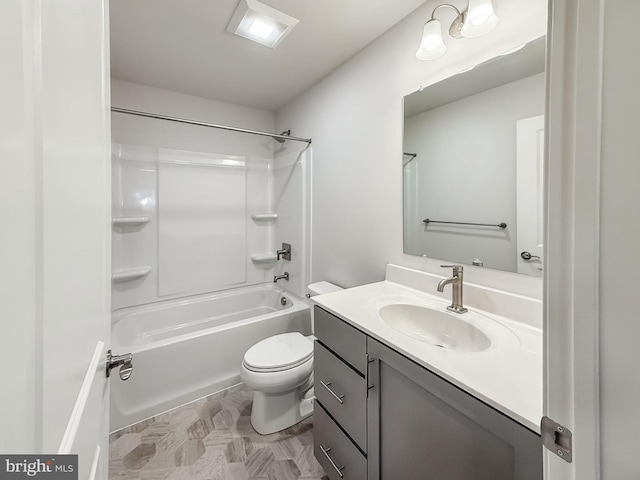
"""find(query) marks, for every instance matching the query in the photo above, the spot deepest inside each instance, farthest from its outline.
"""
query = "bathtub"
(185, 349)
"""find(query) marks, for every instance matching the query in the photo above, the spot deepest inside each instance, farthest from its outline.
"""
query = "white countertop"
(507, 376)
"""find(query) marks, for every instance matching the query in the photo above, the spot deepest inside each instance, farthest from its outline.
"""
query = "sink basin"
(439, 328)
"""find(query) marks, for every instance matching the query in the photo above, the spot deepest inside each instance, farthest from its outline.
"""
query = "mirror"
(472, 164)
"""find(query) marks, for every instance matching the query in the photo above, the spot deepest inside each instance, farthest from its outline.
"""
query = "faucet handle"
(456, 268)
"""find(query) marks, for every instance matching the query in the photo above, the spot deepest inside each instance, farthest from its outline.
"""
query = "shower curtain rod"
(278, 137)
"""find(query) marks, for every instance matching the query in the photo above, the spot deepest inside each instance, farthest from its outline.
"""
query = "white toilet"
(280, 370)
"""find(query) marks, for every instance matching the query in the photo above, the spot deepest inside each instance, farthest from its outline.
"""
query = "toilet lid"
(280, 352)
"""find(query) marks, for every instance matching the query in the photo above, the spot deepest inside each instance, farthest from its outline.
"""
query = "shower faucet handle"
(284, 252)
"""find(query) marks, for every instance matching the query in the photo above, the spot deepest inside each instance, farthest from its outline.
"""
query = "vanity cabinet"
(340, 413)
(423, 427)
(379, 415)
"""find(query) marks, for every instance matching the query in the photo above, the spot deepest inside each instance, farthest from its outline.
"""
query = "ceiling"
(182, 45)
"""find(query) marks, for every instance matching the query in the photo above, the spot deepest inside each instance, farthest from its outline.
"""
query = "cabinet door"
(422, 427)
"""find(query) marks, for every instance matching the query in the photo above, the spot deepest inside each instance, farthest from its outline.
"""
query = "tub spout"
(285, 276)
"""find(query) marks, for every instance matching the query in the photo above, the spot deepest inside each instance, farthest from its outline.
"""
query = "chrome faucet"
(285, 276)
(456, 288)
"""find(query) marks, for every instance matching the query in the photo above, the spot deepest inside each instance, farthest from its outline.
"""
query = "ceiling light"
(261, 29)
(261, 23)
(477, 20)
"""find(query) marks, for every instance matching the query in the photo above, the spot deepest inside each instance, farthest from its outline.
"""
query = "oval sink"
(435, 327)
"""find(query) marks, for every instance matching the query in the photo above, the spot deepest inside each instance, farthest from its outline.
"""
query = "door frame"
(530, 193)
(571, 280)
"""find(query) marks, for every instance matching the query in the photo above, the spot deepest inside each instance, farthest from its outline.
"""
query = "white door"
(76, 229)
(530, 194)
(55, 183)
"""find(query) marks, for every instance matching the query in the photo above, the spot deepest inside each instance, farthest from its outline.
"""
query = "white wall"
(466, 172)
(354, 117)
(166, 102)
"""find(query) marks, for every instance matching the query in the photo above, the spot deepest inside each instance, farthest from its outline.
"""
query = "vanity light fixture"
(478, 19)
(261, 23)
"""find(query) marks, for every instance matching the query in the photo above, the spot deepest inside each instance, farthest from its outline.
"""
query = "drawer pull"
(333, 464)
(337, 397)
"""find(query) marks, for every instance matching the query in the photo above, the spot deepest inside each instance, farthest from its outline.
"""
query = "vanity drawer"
(334, 451)
(341, 338)
(342, 392)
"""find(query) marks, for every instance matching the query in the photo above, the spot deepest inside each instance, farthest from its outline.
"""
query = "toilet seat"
(279, 353)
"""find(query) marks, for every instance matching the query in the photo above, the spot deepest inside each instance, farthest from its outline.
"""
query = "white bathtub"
(187, 348)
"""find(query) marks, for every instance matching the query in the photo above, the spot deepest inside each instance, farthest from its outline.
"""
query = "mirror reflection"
(472, 164)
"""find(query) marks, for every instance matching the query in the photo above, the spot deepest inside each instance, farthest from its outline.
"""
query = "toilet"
(280, 371)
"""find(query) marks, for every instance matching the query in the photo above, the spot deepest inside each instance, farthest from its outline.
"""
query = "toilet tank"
(320, 288)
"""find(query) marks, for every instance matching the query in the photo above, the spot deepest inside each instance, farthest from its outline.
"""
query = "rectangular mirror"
(472, 164)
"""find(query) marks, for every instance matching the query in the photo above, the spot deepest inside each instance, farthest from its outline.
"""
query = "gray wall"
(355, 119)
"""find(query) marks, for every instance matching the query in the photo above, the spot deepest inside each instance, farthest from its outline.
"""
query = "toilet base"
(273, 412)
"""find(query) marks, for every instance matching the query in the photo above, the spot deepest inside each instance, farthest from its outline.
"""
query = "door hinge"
(122, 361)
(556, 438)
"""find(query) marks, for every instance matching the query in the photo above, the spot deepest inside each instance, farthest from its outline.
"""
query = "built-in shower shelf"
(127, 274)
(131, 220)
(264, 217)
(263, 257)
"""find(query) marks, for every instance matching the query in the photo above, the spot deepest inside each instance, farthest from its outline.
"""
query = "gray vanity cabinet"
(340, 412)
(422, 427)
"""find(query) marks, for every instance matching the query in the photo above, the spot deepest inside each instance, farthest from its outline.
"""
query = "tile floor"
(212, 439)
